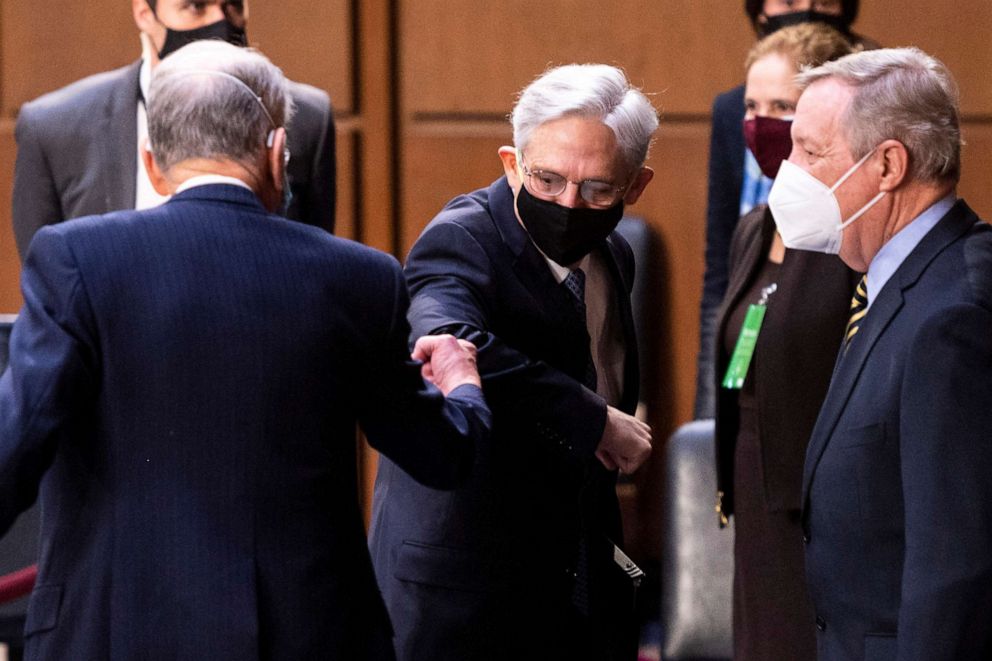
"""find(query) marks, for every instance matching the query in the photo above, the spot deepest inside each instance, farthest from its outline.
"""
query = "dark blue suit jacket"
(483, 572)
(184, 384)
(898, 477)
(723, 210)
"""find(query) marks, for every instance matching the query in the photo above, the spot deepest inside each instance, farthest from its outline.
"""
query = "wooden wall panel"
(494, 49)
(976, 167)
(957, 33)
(48, 45)
(10, 293)
(311, 41)
(438, 166)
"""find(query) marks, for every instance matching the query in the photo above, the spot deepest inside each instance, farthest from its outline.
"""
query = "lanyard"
(747, 340)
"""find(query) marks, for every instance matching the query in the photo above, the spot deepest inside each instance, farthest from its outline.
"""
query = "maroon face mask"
(770, 140)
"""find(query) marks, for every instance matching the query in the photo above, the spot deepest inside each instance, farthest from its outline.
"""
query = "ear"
(159, 181)
(144, 17)
(508, 155)
(641, 180)
(277, 157)
(895, 164)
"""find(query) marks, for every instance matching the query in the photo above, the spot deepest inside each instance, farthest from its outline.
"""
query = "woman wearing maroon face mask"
(769, 390)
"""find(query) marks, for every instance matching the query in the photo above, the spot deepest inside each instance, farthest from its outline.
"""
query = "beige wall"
(422, 90)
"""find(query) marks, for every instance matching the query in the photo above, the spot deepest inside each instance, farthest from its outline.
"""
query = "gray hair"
(901, 94)
(213, 100)
(588, 90)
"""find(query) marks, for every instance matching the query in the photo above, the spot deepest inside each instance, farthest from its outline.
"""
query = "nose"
(570, 197)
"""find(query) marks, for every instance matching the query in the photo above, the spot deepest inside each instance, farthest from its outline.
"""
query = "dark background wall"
(422, 89)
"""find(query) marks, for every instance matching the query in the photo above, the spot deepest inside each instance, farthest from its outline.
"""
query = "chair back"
(697, 564)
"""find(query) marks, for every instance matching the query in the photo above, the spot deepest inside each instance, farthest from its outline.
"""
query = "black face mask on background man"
(223, 29)
(774, 23)
(565, 234)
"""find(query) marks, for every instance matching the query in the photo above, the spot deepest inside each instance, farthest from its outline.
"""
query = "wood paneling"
(957, 33)
(48, 45)
(976, 167)
(438, 166)
(310, 41)
(10, 265)
(473, 57)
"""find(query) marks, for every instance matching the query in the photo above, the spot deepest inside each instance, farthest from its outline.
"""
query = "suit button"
(820, 624)
(805, 538)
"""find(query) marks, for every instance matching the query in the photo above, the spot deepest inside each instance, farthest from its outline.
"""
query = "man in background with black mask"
(736, 184)
(78, 147)
(524, 561)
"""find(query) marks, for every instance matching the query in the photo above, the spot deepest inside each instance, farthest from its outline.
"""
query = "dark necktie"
(859, 308)
(575, 283)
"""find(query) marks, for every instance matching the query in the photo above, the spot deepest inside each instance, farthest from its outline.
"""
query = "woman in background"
(766, 407)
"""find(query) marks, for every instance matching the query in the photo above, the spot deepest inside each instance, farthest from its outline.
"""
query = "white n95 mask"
(806, 211)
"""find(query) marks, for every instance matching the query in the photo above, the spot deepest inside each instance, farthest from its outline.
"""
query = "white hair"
(588, 90)
(901, 94)
(211, 99)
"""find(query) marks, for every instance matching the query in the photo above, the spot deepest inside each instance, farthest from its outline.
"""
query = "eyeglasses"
(547, 184)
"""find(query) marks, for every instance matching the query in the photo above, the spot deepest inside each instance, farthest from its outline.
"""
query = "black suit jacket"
(484, 572)
(77, 153)
(898, 476)
(184, 384)
(793, 359)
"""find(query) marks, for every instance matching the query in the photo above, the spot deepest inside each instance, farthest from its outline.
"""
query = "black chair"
(19, 547)
(697, 564)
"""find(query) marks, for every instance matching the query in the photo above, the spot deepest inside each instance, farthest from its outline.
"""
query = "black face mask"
(564, 234)
(774, 23)
(223, 29)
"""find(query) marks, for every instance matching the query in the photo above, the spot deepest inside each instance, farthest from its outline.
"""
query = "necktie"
(575, 283)
(859, 308)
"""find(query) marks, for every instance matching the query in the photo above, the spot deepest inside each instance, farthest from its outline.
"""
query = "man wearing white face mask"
(897, 487)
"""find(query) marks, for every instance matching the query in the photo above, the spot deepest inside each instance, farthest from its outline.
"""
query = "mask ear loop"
(854, 168)
(270, 138)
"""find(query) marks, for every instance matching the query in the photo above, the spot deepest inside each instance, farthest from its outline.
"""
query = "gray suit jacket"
(76, 153)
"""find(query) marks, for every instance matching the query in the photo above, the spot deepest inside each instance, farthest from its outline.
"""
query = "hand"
(626, 442)
(448, 362)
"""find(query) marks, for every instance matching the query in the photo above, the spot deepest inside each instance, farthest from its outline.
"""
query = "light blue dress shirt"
(897, 249)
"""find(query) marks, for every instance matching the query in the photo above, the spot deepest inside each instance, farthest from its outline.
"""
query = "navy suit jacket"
(483, 572)
(77, 153)
(898, 477)
(184, 384)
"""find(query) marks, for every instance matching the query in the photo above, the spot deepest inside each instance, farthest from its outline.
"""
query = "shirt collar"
(208, 179)
(897, 249)
(144, 79)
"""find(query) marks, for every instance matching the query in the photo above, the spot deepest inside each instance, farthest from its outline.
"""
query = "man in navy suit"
(524, 561)
(78, 147)
(897, 487)
(184, 385)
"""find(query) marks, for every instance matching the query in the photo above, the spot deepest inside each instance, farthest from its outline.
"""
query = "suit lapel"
(119, 137)
(529, 264)
(881, 313)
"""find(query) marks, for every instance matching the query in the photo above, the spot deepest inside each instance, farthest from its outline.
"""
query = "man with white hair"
(78, 148)
(897, 487)
(184, 384)
(524, 561)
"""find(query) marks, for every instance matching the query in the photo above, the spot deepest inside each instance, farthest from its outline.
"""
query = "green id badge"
(746, 341)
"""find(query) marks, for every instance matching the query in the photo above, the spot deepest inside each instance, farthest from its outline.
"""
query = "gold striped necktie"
(859, 307)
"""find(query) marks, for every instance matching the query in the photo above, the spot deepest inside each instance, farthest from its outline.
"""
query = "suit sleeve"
(50, 380)
(452, 281)
(429, 436)
(946, 455)
(36, 200)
